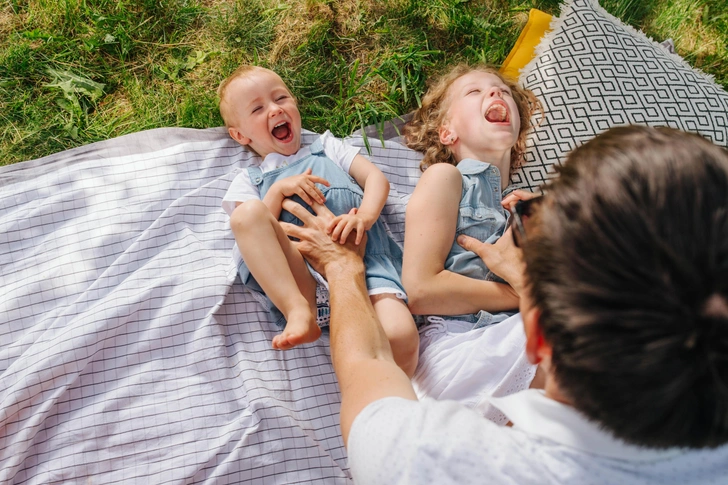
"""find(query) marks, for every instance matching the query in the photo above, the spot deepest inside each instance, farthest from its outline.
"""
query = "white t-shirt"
(470, 366)
(395, 440)
(242, 189)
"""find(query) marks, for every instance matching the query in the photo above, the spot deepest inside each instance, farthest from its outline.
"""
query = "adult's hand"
(518, 194)
(315, 244)
(502, 258)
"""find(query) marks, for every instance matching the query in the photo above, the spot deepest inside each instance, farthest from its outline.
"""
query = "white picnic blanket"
(129, 351)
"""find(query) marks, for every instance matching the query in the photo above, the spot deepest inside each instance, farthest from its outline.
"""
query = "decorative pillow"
(525, 47)
(592, 72)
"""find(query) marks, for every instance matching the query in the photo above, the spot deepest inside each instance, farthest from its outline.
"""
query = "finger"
(509, 200)
(347, 230)
(353, 211)
(359, 232)
(336, 233)
(319, 180)
(472, 244)
(332, 224)
(313, 193)
(302, 194)
(308, 171)
(321, 210)
(299, 211)
(321, 196)
(292, 230)
(517, 195)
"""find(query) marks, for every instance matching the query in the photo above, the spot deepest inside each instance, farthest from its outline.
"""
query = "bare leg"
(279, 269)
(400, 328)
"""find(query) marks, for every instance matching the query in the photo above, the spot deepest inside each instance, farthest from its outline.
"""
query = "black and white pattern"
(129, 350)
(592, 72)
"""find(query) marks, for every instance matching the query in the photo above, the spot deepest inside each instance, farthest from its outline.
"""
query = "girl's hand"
(303, 185)
(341, 226)
(515, 196)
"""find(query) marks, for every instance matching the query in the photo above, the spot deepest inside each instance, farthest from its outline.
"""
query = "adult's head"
(627, 285)
(458, 114)
(260, 112)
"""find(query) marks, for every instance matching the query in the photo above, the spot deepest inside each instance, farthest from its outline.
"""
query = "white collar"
(274, 160)
(533, 413)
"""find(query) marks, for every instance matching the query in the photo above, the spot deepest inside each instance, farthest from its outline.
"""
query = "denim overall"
(481, 216)
(382, 258)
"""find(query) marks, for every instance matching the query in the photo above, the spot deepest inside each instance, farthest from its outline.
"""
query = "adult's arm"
(360, 350)
(430, 224)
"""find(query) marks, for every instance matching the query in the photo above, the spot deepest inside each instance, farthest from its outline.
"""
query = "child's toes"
(280, 342)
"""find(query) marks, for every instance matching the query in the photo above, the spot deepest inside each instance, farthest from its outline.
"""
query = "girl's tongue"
(497, 113)
(282, 131)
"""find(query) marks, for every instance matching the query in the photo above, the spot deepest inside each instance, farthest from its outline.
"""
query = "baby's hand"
(342, 225)
(515, 196)
(303, 185)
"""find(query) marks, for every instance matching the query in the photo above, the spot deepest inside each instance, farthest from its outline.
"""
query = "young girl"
(471, 128)
(261, 113)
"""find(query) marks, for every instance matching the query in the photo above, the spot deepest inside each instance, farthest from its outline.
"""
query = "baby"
(261, 113)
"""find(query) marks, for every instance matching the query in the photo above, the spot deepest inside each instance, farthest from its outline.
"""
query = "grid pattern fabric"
(129, 350)
(592, 72)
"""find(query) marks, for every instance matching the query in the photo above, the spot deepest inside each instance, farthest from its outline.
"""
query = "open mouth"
(497, 113)
(282, 131)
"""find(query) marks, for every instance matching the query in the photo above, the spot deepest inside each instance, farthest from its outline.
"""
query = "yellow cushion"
(525, 48)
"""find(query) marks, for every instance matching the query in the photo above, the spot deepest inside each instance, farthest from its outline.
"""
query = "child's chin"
(291, 148)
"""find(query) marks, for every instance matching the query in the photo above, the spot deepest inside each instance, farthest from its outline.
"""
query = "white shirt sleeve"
(339, 151)
(240, 190)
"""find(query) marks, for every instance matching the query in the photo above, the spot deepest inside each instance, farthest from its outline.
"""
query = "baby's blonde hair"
(241, 72)
(422, 132)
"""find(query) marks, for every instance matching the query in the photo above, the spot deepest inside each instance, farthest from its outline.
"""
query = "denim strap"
(256, 175)
(317, 147)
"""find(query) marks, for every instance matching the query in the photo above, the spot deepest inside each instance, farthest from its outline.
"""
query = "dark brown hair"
(628, 263)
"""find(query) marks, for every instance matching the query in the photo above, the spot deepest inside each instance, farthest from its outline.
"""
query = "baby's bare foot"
(300, 329)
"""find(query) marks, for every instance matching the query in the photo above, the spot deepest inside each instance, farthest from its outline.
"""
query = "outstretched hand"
(502, 258)
(313, 241)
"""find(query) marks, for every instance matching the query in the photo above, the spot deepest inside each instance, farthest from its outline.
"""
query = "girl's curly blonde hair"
(422, 132)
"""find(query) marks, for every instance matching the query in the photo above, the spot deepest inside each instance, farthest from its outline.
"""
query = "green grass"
(78, 71)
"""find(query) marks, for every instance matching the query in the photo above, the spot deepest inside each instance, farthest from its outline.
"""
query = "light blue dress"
(382, 258)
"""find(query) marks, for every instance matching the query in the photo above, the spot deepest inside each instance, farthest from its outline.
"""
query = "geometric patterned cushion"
(592, 72)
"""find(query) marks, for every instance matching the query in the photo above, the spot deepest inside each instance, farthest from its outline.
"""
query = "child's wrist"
(369, 219)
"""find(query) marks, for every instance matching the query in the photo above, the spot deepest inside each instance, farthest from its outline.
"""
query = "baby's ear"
(236, 135)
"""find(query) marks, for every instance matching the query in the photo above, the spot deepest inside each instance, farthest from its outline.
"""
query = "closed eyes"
(277, 99)
(477, 90)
